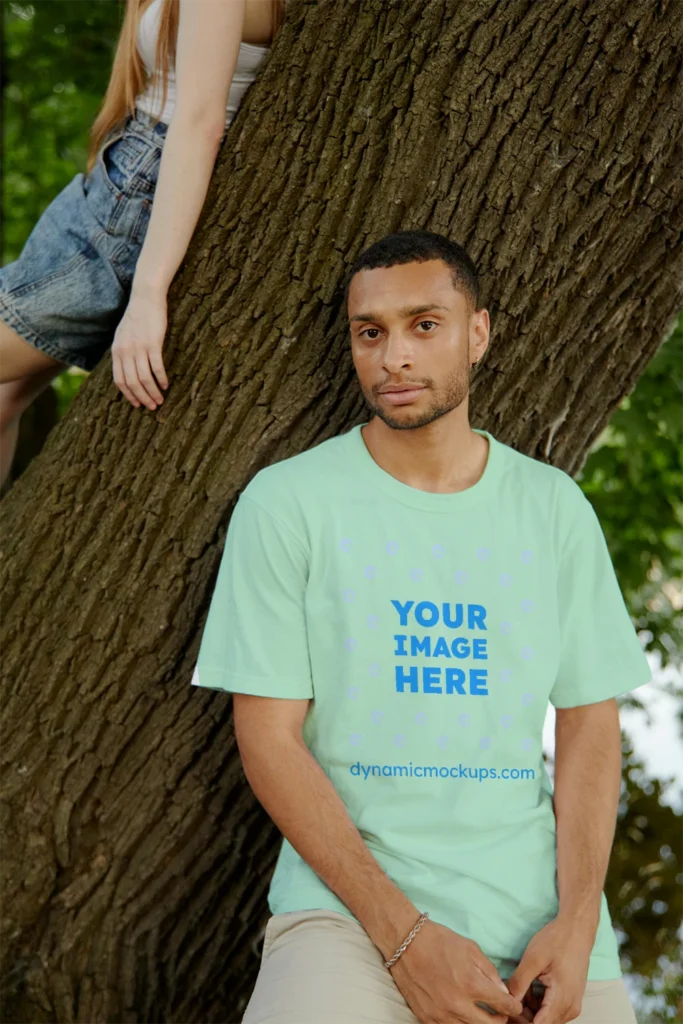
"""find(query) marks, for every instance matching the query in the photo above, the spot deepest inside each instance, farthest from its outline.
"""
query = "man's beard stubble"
(450, 396)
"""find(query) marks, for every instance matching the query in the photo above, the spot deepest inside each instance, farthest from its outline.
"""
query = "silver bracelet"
(406, 942)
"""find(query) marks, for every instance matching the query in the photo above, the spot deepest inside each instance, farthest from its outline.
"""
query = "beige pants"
(320, 967)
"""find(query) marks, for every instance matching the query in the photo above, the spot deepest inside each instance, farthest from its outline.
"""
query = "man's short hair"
(418, 247)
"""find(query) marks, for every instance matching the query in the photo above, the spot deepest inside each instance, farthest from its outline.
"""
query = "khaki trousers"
(320, 967)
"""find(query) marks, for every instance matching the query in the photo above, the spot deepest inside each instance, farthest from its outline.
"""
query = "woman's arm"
(209, 36)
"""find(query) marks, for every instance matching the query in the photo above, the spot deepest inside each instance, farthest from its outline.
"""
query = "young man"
(394, 609)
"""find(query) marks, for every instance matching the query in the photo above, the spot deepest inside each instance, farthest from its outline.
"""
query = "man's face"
(409, 325)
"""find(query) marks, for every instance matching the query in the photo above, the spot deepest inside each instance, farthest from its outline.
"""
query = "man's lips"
(401, 394)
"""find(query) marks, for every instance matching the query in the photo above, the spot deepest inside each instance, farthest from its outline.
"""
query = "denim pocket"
(130, 165)
(119, 191)
(112, 169)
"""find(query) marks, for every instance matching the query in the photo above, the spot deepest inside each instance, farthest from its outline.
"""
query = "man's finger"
(526, 1015)
(554, 1007)
(492, 989)
(498, 1000)
(527, 969)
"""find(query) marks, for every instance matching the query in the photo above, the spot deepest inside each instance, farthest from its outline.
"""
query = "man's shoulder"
(551, 490)
(535, 471)
(303, 477)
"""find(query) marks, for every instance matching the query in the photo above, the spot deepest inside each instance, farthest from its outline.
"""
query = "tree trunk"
(541, 135)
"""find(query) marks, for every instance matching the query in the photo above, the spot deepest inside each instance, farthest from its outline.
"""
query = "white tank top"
(248, 59)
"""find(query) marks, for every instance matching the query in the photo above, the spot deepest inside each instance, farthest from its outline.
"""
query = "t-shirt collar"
(426, 500)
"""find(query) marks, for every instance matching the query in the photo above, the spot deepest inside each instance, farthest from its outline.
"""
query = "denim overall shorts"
(69, 288)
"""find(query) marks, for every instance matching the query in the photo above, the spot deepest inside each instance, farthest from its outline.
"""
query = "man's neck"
(442, 457)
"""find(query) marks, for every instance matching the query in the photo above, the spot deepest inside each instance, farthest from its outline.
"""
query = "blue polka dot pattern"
(527, 698)
(438, 550)
(372, 622)
(483, 553)
(505, 579)
(506, 721)
(420, 718)
(377, 717)
(526, 605)
(442, 741)
(506, 675)
(370, 571)
(527, 743)
(527, 652)
(416, 575)
(375, 669)
(355, 738)
(349, 595)
(460, 577)
(346, 544)
(353, 692)
(400, 740)
(464, 720)
(506, 628)
(392, 547)
(350, 643)
(485, 742)
(527, 556)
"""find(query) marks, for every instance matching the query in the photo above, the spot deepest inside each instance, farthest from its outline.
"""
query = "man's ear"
(479, 334)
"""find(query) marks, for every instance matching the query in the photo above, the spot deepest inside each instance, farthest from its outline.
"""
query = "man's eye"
(422, 322)
(366, 333)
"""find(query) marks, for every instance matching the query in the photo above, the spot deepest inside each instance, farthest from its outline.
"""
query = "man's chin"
(405, 418)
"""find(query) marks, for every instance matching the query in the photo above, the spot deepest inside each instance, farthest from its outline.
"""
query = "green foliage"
(634, 479)
(67, 386)
(643, 885)
(58, 56)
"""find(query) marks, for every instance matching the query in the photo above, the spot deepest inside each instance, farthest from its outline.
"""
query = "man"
(393, 611)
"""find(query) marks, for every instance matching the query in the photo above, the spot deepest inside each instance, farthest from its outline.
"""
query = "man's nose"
(398, 353)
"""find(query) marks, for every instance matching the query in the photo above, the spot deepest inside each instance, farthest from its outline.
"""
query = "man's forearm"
(587, 784)
(303, 803)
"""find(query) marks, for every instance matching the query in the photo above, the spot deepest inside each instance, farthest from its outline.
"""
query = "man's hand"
(558, 955)
(444, 977)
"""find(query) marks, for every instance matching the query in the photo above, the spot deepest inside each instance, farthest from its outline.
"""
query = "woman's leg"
(17, 389)
(19, 359)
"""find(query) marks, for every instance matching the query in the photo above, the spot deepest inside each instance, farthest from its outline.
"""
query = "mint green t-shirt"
(431, 630)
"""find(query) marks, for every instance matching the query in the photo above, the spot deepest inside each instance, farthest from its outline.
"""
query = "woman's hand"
(136, 350)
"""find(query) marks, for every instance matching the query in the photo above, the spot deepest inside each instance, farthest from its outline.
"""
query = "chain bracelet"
(406, 942)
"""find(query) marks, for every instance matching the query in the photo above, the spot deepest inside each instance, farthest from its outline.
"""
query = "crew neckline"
(428, 501)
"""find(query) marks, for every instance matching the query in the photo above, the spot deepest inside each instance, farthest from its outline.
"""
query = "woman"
(96, 269)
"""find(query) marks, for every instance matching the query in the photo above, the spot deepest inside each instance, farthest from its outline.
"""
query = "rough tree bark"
(545, 137)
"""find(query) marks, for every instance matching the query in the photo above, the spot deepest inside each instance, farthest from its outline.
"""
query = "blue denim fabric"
(68, 289)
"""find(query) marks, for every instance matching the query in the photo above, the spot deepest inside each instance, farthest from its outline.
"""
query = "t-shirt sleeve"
(255, 638)
(600, 653)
